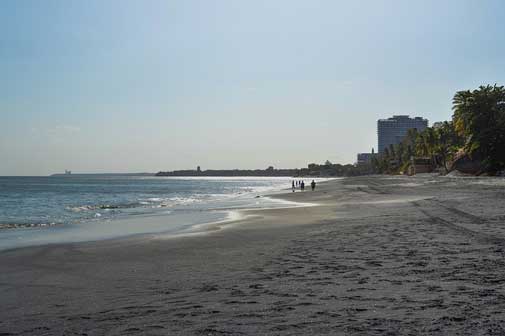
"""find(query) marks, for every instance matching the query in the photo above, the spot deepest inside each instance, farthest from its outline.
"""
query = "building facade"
(391, 131)
(365, 158)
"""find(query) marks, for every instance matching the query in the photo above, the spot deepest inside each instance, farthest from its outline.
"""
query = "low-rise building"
(365, 158)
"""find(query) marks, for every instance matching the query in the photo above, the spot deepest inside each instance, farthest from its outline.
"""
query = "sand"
(378, 256)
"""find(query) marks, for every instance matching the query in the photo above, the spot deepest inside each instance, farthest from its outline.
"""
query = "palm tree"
(421, 148)
(479, 116)
(447, 144)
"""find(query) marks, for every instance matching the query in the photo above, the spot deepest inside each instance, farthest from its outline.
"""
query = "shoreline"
(239, 216)
(231, 216)
(377, 255)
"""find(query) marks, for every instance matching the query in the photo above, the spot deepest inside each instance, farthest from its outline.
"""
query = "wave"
(5, 226)
(151, 202)
(102, 207)
(174, 201)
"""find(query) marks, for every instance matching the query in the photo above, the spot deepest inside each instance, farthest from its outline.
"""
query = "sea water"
(74, 208)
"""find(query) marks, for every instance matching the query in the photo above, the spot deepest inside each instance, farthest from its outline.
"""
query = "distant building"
(391, 131)
(365, 158)
(198, 169)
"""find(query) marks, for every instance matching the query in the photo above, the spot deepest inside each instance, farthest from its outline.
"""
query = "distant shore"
(100, 174)
(379, 254)
(327, 169)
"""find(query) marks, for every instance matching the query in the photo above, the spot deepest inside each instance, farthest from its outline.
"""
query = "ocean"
(75, 208)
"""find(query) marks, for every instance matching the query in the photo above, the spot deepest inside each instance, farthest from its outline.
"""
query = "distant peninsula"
(270, 171)
(66, 174)
(316, 170)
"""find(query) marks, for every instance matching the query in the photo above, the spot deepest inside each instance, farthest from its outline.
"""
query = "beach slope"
(376, 255)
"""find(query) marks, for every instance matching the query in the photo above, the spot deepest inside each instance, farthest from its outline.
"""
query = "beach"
(370, 255)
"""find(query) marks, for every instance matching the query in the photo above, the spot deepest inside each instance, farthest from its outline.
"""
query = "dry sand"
(378, 256)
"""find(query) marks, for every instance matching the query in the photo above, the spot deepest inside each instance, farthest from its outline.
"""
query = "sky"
(144, 86)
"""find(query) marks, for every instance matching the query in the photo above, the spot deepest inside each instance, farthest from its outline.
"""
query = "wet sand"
(377, 256)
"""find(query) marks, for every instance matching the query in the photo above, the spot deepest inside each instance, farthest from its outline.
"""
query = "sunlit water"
(43, 210)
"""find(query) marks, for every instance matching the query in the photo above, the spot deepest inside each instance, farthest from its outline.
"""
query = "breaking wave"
(5, 226)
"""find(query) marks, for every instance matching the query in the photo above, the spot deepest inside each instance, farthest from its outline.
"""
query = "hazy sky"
(130, 86)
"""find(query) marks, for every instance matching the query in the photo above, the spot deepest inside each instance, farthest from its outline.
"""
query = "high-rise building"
(391, 131)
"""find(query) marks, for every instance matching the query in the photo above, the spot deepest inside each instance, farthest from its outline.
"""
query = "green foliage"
(477, 126)
(479, 116)
(447, 143)
(438, 144)
(330, 169)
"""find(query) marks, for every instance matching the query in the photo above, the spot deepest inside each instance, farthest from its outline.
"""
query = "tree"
(410, 142)
(447, 143)
(430, 140)
(479, 116)
(385, 162)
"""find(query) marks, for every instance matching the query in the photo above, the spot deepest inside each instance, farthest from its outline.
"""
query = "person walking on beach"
(313, 185)
(293, 185)
(302, 185)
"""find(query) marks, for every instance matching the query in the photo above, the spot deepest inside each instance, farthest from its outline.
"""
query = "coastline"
(177, 219)
(377, 254)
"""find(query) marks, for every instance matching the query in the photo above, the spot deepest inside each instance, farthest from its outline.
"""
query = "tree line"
(476, 131)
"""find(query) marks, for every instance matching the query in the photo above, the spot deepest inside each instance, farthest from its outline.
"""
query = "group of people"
(301, 184)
